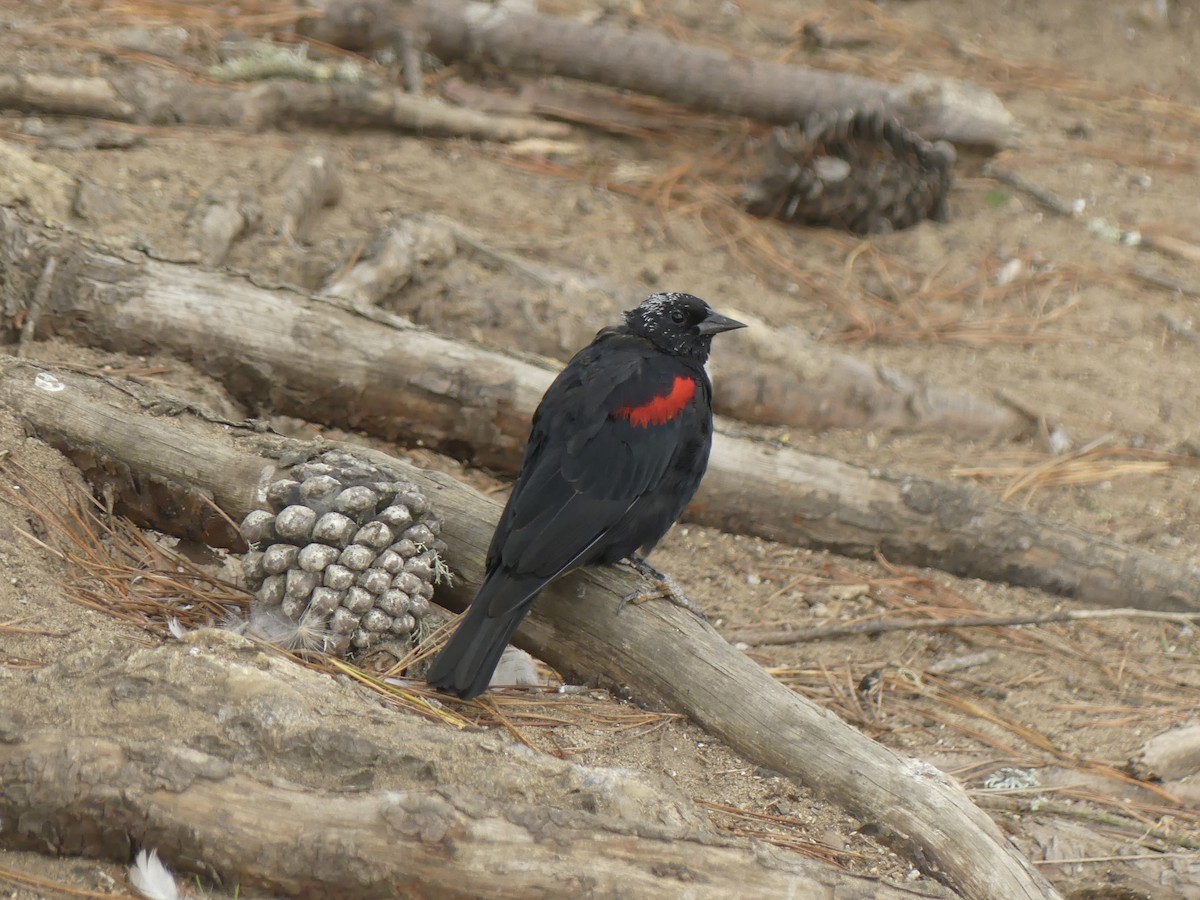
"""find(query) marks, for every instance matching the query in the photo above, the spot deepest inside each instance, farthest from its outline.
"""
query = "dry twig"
(761, 638)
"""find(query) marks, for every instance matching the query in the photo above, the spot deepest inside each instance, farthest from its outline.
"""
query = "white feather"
(151, 878)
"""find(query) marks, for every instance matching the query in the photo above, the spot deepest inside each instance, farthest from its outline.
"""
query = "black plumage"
(618, 446)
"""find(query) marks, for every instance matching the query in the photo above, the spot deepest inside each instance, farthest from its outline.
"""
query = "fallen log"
(172, 459)
(281, 351)
(781, 376)
(152, 97)
(711, 80)
(443, 813)
(764, 374)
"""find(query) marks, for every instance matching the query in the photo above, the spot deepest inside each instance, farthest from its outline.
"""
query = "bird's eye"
(678, 316)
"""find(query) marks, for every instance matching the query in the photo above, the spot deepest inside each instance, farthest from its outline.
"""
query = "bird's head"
(679, 324)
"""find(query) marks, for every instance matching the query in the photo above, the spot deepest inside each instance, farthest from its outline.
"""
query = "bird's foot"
(665, 588)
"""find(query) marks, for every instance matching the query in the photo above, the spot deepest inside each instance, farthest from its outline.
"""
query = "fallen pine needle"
(1131, 857)
(57, 887)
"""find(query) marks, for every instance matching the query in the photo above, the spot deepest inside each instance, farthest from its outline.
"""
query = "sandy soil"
(1107, 96)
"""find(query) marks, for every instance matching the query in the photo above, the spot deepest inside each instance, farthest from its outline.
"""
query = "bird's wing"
(604, 435)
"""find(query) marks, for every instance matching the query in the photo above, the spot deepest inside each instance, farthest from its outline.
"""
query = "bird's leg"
(664, 588)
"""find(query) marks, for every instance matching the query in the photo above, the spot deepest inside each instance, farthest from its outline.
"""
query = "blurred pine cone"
(347, 555)
(861, 171)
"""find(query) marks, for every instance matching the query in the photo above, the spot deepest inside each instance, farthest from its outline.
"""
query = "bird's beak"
(715, 323)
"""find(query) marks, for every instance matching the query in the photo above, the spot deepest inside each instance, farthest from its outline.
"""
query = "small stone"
(283, 492)
(324, 602)
(315, 557)
(271, 591)
(363, 639)
(295, 523)
(293, 607)
(403, 624)
(258, 526)
(846, 592)
(358, 600)
(278, 558)
(339, 578)
(394, 602)
(320, 488)
(300, 584)
(398, 517)
(335, 529)
(374, 534)
(426, 590)
(434, 524)
(357, 557)
(376, 620)
(343, 621)
(375, 580)
(357, 502)
(419, 606)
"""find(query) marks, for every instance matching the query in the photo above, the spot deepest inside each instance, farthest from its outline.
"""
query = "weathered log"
(781, 376)
(656, 651)
(707, 79)
(402, 251)
(219, 219)
(441, 813)
(767, 375)
(311, 183)
(152, 97)
(281, 351)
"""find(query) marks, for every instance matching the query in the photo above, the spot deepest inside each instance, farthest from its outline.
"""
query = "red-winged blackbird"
(618, 447)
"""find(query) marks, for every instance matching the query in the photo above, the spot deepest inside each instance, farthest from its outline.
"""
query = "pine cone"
(860, 171)
(347, 555)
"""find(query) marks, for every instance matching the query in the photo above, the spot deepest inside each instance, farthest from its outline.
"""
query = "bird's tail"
(466, 663)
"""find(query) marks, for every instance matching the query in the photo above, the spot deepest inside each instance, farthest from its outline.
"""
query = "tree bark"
(282, 351)
(710, 80)
(656, 651)
(442, 813)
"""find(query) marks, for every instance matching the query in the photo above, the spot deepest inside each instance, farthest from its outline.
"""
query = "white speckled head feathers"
(680, 324)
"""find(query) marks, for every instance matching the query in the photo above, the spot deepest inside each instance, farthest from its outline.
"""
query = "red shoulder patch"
(662, 409)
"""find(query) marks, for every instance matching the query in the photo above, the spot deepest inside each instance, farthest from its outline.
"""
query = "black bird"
(618, 446)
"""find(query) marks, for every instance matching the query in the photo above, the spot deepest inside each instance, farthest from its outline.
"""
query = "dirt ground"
(1108, 99)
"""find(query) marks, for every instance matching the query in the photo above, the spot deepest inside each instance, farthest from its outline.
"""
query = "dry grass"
(141, 579)
(1085, 466)
(907, 698)
(50, 888)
